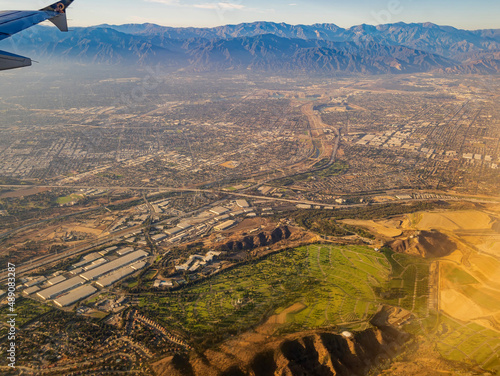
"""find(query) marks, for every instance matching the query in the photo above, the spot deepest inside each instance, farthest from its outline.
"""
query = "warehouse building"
(87, 260)
(173, 231)
(184, 225)
(31, 290)
(225, 225)
(76, 271)
(158, 237)
(138, 265)
(222, 218)
(60, 288)
(76, 295)
(124, 251)
(56, 280)
(304, 206)
(95, 264)
(242, 204)
(117, 275)
(107, 250)
(237, 213)
(219, 210)
(113, 265)
(177, 238)
(35, 281)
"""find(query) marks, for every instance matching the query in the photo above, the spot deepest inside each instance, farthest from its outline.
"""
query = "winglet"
(59, 7)
(60, 19)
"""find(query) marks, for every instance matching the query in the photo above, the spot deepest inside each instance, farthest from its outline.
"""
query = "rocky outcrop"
(426, 244)
(263, 239)
(314, 353)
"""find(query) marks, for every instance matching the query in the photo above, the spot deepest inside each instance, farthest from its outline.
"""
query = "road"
(317, 129)
(172, 189)
(50, 259)
(24, 227)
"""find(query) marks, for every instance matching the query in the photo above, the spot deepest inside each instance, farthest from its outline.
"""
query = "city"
(111, 215)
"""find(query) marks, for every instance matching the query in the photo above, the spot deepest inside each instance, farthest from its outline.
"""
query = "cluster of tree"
(367, 212)
(322, 171)
(325, 222)
(322, 224)
(387, 210)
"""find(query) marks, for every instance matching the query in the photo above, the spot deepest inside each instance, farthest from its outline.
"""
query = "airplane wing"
(12, 22)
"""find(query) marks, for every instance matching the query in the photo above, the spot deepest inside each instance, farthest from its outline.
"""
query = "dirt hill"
(427, 244)
(301, 354)
(262, 239)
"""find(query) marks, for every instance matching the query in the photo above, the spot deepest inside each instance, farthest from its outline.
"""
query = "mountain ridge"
(267, 46)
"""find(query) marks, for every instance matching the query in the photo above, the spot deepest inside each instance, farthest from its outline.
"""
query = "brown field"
(485, 267)
(451, 221)
(488, 243)
(459, 306)
(469, 287)
(87, 230)
(25, 192)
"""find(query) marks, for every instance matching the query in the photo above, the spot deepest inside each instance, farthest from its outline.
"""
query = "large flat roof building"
(242, 203)
(56, 280)
(138, 265)
(114, 277)
(87, 260)
(173, 231)
(60, 288)
(159, 237)
(76, 271)
(31, 290)
(76, 295)
(107, 250)
(35, 281)
(113, 265)
(224, 226)
(95, 264)
(219, 210)
(184, 225)
(124, 251)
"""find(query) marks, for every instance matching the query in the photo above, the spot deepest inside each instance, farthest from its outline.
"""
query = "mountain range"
(276, 47)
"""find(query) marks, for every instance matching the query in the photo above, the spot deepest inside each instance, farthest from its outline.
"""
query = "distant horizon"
(286, 23)
(459, 14)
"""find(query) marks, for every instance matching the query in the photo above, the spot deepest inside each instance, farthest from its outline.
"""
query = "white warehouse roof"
(124, 251)
(219, 210)
(60, 288)
(120, 273)
(242, 203)
(113, 265)
(56, 280)
(225, 225)
(77, 294)
(31, 290)
(109, 279)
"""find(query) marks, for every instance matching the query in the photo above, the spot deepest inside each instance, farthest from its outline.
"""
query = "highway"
(172, 189)
(75, 251)
(50, 259)
(24, 227)
(38, 262)
(316, 126)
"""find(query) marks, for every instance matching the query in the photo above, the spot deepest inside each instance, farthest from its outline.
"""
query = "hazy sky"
(466, 14)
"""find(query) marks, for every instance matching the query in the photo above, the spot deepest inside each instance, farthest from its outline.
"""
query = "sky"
(464, 14)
